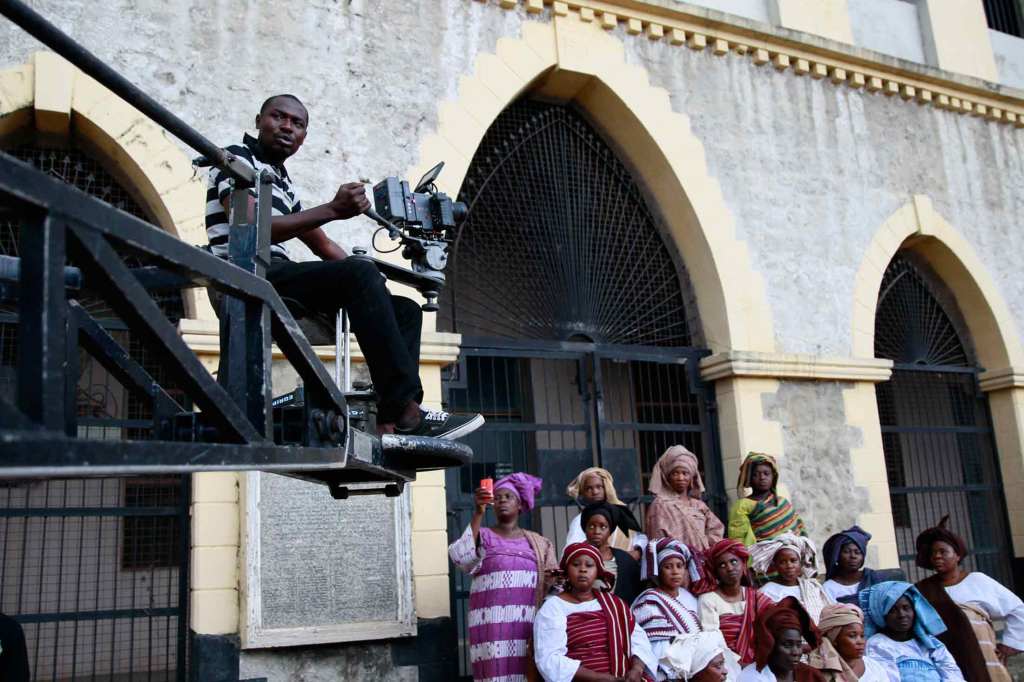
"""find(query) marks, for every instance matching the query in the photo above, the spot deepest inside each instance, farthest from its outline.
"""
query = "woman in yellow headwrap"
(596, 485)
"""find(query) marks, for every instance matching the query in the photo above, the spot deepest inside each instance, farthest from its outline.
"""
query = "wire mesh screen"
(936, 432)
(559, 242)
(95, 569)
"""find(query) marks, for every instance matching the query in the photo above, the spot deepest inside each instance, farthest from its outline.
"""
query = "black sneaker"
(444, 425)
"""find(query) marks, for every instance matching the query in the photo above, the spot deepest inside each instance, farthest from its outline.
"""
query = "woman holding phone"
(512, 569)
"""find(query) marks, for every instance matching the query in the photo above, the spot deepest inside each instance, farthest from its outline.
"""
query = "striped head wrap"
(585, 548)
(658, 551)
(752, 460)
(763, 553)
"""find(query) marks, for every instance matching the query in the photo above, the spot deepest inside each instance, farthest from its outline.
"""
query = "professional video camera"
(424, 221)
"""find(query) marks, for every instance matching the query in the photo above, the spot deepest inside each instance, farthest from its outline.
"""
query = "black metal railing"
(233, 427)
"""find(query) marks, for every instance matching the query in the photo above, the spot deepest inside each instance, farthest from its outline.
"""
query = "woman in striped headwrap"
(763, 514)
(668, 609)
(734, 605)
(586, 633)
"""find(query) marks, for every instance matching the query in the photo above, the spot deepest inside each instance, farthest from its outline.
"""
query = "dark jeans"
(387, 327)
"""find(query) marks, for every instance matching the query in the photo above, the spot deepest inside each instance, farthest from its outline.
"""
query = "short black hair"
(267, 101)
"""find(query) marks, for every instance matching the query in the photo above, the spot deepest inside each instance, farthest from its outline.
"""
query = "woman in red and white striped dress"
(589, 634)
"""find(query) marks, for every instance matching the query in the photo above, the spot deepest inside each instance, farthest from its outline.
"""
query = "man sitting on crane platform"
(387, 327)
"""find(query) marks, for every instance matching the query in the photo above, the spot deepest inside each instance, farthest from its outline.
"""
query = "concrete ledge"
(1000, 379)
(436, 348)
(794, 366)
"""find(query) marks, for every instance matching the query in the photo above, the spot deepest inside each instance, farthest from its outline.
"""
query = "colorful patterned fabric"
(751, 520)
(658, 551)
(737, 629)
(752, 460)
(502, 600)
(662, 616)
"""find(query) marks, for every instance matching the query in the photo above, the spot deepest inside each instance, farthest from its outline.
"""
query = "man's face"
(282, 128)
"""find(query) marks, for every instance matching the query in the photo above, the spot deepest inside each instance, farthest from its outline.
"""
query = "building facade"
(786, 226)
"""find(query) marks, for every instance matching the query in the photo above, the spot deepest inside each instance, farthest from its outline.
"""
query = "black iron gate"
(554, 409)
(95, 569)
(940, 452)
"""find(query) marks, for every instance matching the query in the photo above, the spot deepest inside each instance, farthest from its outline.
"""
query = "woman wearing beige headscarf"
(840, 655)
(677, 510)
(596, 485)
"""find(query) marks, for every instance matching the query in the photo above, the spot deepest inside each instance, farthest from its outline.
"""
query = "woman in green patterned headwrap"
(763, 514)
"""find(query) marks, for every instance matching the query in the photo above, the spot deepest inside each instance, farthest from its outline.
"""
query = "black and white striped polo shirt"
(218, 187)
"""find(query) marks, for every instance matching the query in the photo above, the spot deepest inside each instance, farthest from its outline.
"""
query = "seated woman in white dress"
(586, 633)
(596, 485)
(791, 561)
(902, 627)
(968, 602)
(840, 655)
(668, 609)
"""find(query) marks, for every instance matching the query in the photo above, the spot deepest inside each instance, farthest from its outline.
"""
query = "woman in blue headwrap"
(845, 572)
(901, 627)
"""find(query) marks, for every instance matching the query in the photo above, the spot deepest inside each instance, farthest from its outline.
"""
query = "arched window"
(939, 450)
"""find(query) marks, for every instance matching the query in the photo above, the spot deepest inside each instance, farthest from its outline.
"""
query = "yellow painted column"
(826, 18)
(430, 523)
(955, 37)
(1007, 408)
(861, 407)
(215, 545)
(742, 425)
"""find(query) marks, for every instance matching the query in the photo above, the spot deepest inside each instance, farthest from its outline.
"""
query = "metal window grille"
(1004, 16)
(151, 541)
(577, 321)
(560, 243)
(95, 570)
(940, 453)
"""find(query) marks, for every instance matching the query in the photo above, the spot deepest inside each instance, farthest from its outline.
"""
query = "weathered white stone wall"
(810, 171)
(372, 72)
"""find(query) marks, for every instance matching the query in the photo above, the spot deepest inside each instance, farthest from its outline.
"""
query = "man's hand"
(349, 201)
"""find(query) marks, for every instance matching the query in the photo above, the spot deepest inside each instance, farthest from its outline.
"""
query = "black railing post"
(41, 322)
(248, 342)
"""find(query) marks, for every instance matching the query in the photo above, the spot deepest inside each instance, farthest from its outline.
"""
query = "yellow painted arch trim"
(59, 101)
(919, 227)
(574, 59)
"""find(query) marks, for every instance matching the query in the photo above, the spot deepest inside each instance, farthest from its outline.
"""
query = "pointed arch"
(572, 59)
(59, 102)
(919, 227)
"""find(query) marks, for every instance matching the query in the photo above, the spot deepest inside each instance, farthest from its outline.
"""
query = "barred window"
(151, 539)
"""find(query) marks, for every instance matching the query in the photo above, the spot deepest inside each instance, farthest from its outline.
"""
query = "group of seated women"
(682, 602)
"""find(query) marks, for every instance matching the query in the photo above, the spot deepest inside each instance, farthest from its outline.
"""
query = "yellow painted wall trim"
(794, 366)
(696, 27)
(573, 59)
(436, 348)
(1002, 379)
(919, 227)
(826, 18)
(59, 100)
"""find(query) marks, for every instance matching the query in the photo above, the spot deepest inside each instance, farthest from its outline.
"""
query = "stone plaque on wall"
(320, 570)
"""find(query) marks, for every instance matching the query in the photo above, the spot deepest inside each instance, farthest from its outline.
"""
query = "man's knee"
(406, 309)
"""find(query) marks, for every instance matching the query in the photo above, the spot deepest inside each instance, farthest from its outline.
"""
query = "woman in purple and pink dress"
(512, 569)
